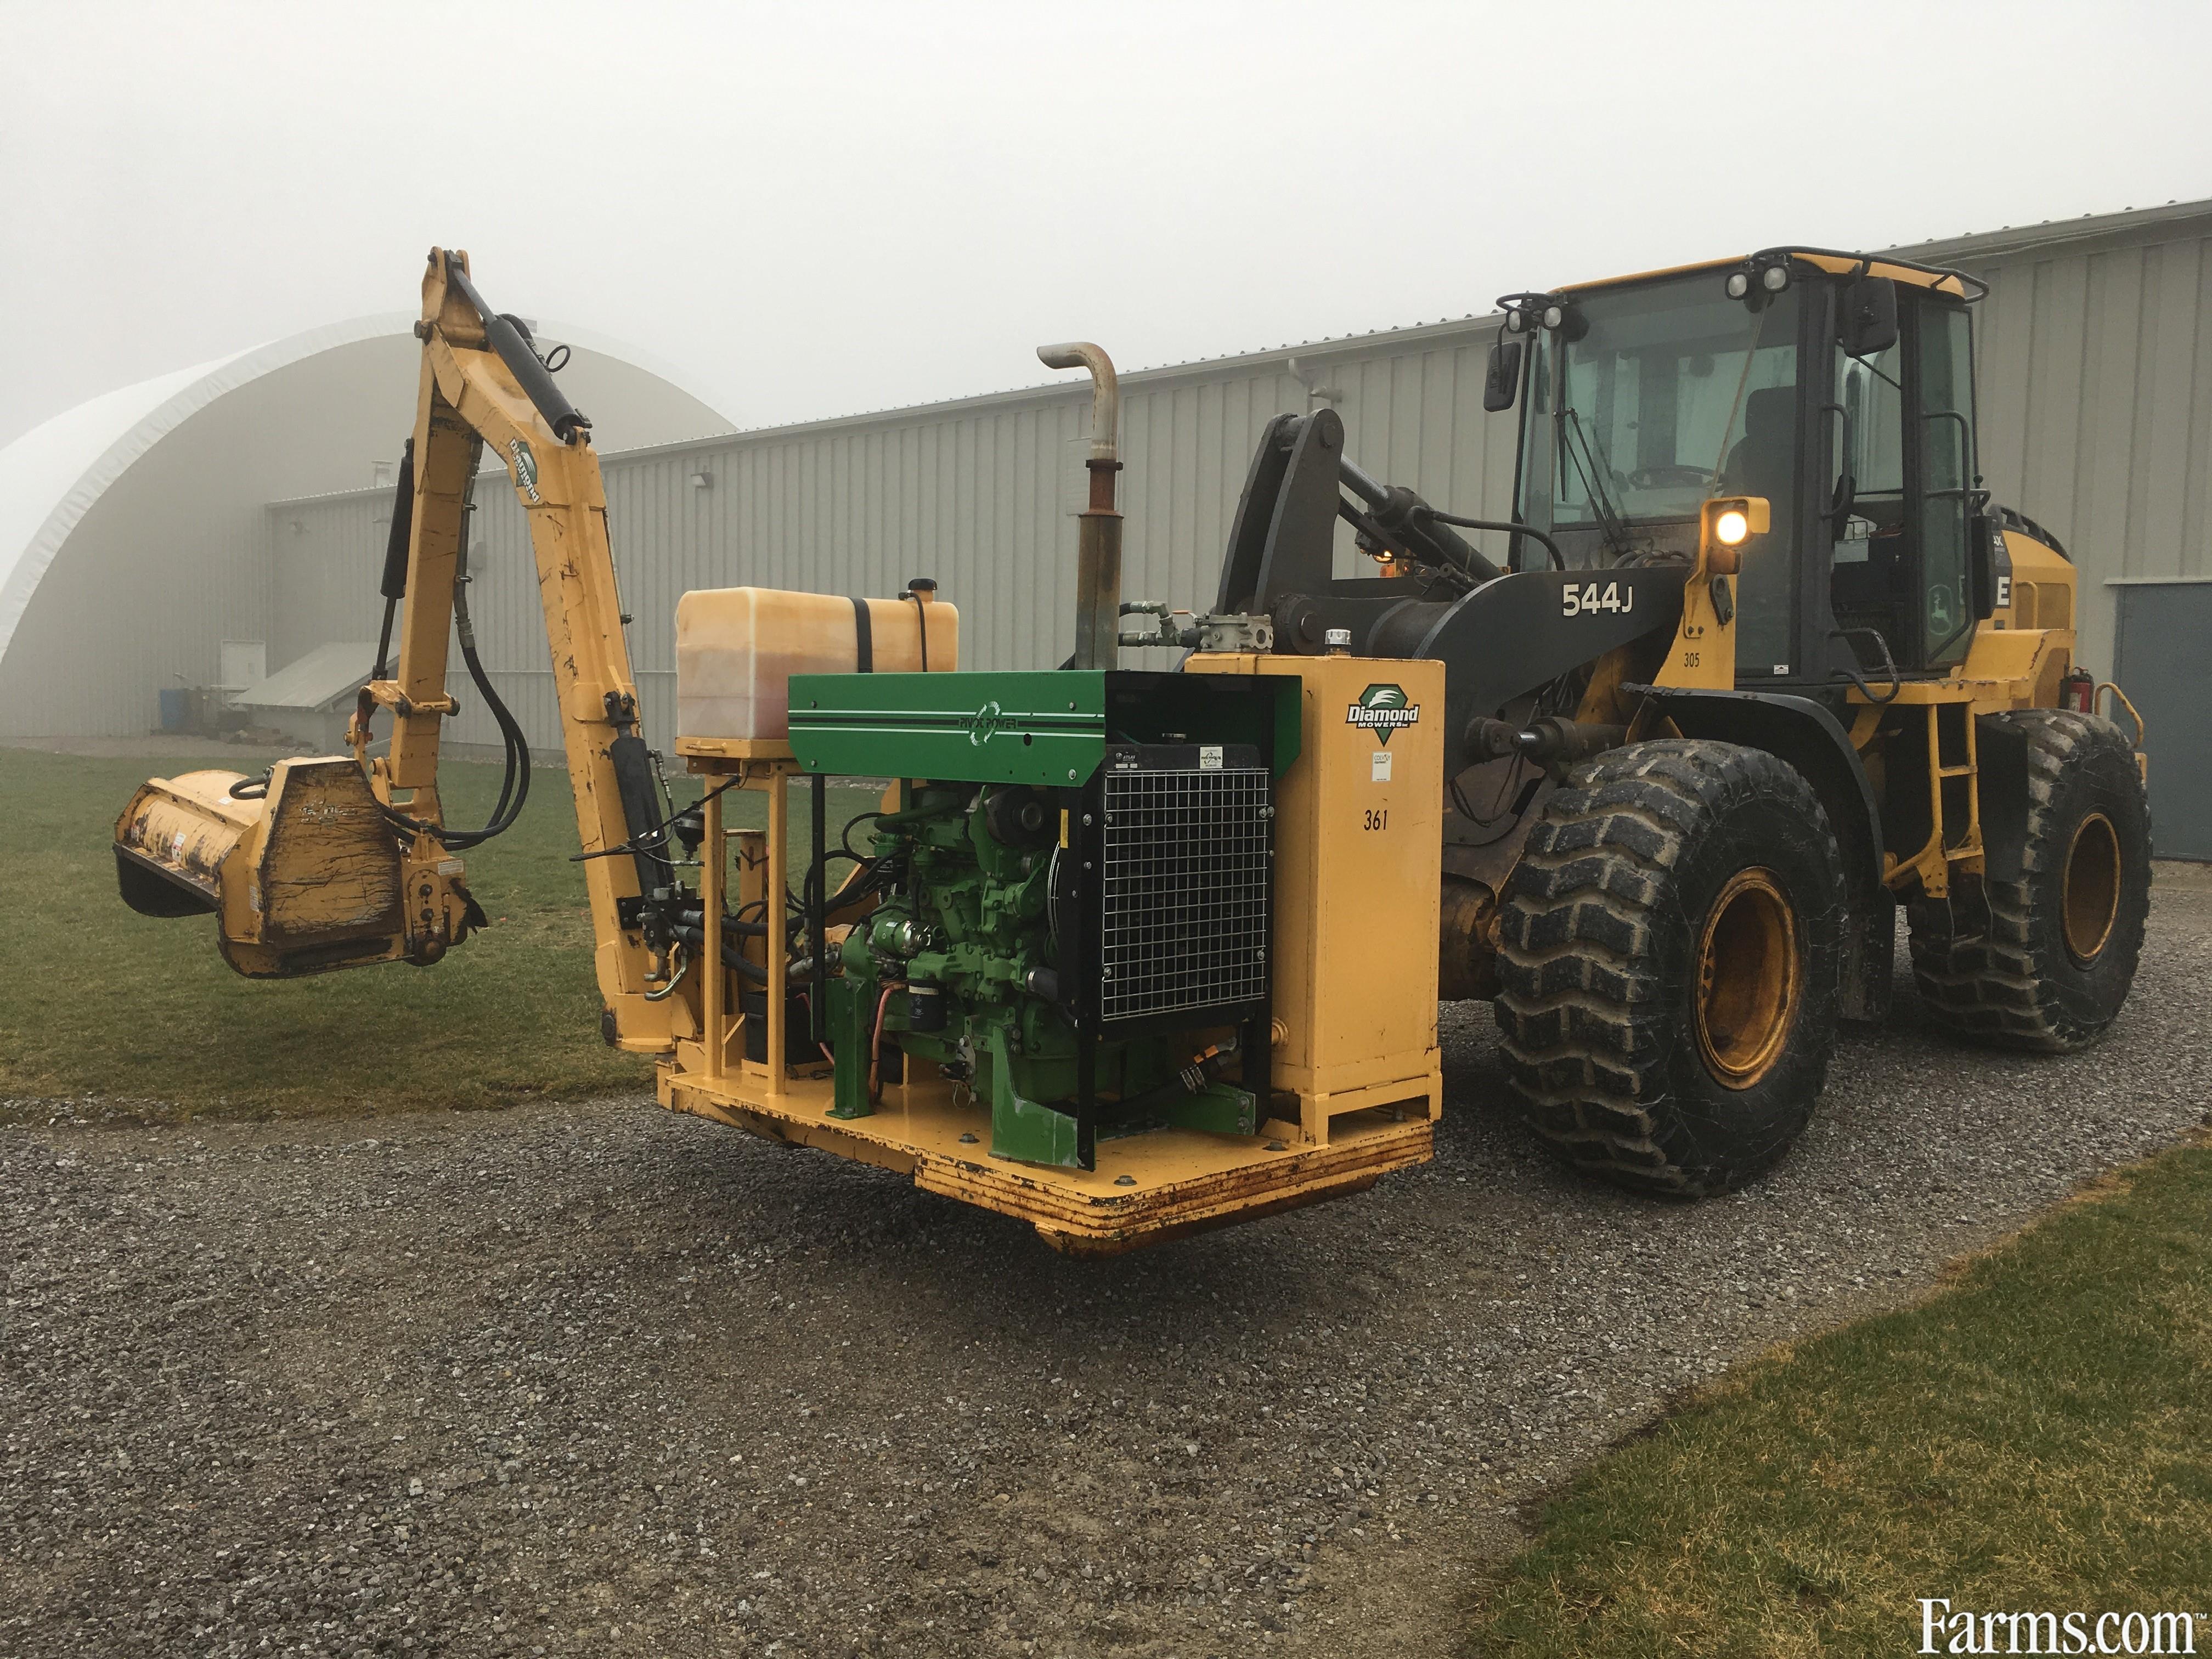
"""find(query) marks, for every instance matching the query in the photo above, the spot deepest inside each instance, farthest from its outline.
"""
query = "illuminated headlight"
(1739, 284)
(1554, 316)
(1731, 527)
(1774, 278)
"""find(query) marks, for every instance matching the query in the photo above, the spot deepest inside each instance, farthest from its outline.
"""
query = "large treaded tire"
(2020, 985)
(1598, 963)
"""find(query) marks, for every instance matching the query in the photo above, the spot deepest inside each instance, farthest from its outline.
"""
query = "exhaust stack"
(1098, 534)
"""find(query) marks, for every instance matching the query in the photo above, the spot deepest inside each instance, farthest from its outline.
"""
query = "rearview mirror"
(1866, 321)
(1503, 383)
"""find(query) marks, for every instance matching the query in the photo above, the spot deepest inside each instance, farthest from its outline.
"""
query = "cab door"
(1902, 494)
(1941, 476)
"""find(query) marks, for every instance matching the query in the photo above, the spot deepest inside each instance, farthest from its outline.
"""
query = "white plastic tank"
(737, 647)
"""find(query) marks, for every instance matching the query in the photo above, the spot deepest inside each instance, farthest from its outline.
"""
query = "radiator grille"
(1184, 922)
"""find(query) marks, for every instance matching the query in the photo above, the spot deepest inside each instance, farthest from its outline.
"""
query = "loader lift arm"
(341, 863)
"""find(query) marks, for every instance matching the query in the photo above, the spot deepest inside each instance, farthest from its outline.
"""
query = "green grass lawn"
(143, 1013)
(2037, 1437)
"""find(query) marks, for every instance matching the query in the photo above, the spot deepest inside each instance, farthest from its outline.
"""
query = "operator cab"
(1838, 386)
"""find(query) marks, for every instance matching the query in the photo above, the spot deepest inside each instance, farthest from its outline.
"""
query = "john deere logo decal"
(986, 723)
(1383, 710)
(525, 468)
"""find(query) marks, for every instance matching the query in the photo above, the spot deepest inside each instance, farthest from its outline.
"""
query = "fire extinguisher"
(2078, 691)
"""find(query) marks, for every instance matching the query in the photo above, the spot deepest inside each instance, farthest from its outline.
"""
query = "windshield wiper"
(1610, 523)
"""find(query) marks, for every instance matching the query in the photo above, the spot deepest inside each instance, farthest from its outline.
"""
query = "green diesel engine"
(1072, 916)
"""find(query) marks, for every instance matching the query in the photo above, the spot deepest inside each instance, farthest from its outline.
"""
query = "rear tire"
(2055, 967)
(1670, 960)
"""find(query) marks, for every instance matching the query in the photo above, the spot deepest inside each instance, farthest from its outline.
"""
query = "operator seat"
(1765, 460)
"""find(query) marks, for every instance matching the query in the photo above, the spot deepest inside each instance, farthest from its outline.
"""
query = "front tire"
(2058, 955)
(1670, 960)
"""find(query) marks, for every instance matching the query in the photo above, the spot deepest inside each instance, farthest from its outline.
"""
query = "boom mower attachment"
(339, 862)
(301, 870)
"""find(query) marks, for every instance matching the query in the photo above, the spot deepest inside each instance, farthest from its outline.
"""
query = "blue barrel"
(172, 708)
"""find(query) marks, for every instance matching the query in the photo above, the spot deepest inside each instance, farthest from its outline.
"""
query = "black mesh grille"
(1184, 921)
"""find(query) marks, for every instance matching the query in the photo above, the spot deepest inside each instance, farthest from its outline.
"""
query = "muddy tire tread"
(1991, 989)
(1581, 1005)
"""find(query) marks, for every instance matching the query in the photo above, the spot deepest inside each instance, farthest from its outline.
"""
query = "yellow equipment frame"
(309, 875)
(1147, 1188)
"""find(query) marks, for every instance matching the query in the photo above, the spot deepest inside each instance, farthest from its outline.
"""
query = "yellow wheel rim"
(1750, 979)
(2092, 898)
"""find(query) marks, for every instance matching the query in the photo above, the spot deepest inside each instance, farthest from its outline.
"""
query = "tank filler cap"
(1338, 641)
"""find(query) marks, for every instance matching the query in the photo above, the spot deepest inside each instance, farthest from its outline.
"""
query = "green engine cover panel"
(1045, 728)
(1048, 727)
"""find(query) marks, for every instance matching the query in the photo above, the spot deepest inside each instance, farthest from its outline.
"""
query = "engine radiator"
(1185, 865)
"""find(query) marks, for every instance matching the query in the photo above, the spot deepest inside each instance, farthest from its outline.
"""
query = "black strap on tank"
(864, 633)
(920, 590)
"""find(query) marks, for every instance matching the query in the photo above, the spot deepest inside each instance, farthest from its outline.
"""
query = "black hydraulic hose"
(656, 837)
(517, 744)
(1186, 1081)
(1558, 559)
(692, 918)
(732, 957)
(514, 779)
(1407, 520)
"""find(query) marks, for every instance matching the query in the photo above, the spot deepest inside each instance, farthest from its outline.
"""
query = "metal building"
(137, 552)
(2094, 373)
(2095, 380)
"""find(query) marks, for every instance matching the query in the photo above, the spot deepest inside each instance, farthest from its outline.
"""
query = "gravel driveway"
(603, 1381)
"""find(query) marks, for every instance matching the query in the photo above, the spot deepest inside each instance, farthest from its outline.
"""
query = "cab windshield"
(1653, 397)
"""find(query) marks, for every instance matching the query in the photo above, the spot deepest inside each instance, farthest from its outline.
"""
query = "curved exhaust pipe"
(1099, 531)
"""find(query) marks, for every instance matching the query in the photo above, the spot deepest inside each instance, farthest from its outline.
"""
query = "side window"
(1873, 534)
(1872, 392)
(1760, 458)
(1946, 441)
(1902, 454)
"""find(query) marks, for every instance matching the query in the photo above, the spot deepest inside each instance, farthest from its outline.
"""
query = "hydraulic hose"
(1412, 523)
(514, 779)
(1189, 1079)
(732, 957)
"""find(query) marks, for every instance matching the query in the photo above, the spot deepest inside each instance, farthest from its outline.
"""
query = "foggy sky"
(822, 208)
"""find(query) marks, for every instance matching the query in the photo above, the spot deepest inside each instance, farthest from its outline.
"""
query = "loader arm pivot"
(334, 863)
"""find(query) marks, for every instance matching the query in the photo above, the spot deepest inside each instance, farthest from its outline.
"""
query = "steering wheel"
(1656, 477)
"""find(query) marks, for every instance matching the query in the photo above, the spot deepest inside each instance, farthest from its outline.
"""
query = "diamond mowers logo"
(1383, 710)
(525, 468)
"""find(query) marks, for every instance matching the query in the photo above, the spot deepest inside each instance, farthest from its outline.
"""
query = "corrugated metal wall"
(2095, 370)
(980, 494)
(2095, 379)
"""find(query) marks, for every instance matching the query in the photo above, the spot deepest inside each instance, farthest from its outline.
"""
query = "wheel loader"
(1127, 953)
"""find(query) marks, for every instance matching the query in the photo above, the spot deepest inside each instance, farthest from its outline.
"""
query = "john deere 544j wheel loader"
(1129, 953)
